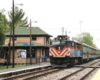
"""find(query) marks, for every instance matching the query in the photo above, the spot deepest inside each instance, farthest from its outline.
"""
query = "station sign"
(27, 43)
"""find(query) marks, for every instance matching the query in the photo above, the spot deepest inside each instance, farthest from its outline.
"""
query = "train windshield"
(62, 42)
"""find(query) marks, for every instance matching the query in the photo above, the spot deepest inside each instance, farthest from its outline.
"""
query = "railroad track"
(31, 75)
(17, 76)
(67, 73)
(81, 74)
(38, 74)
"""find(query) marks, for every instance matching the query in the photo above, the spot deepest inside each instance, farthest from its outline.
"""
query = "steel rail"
(14, 77)
(17, 72)
(67, 76)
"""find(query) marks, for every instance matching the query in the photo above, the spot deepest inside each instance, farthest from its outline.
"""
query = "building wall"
(24, 60)
(39, 40)
(2, 60)
(7, 40)
(38, 53)
(44, 40)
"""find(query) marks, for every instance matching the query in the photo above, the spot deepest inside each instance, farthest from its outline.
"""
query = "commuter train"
(64, 52)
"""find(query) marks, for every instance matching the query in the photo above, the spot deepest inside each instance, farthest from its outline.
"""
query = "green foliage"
(86, 38)
(3, 27)
(50, 41)
(18, 18)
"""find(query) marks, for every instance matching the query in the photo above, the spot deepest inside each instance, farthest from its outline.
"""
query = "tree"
(3, 27)
(18, 18)
(50, 41)
(86, 38)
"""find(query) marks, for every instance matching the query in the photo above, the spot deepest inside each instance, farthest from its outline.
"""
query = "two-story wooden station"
(40, 45)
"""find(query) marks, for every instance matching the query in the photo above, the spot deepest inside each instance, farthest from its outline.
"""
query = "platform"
(4, 71)
(96, 76)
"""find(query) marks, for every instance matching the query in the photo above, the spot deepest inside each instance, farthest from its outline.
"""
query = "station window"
(2, 53)
(28, 53)
(47, 52)
(47, 40)
(33, 38)
(33, 53)
(15, 38)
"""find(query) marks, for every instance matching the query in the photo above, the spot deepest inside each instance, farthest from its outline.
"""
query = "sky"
(52, 15)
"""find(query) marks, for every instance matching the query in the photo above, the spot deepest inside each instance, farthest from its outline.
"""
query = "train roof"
(68, 39)
(84, 44)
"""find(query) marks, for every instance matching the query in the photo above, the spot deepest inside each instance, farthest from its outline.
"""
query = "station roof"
(26, 44)
(25, 31)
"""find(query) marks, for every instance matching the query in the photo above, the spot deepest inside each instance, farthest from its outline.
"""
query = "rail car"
(64, 52)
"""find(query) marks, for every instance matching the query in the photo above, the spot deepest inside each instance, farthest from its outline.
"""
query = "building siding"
(39, 40)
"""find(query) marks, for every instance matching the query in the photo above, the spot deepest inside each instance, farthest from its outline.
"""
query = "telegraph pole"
(62, 30)
(30, 44)
(65, 32)
(13, 35)
(80, 29)
(8, 55)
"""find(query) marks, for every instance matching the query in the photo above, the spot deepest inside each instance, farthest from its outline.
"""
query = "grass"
(10, 66)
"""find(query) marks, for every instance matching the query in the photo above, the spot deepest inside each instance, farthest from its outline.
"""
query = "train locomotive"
(64, 52)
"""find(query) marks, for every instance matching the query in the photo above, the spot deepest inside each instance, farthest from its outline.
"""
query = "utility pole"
(30, 45)
(13, 35)
(80, 41)
(80, 29)
(8, 55)
(62, 30)
(65, 32)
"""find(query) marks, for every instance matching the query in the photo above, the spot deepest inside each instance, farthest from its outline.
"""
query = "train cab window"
(55, 42)
(68, 43)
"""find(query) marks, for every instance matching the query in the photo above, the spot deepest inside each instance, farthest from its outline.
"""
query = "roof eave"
(31, 35)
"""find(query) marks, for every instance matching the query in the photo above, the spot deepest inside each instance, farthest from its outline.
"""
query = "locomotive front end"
(59, 52)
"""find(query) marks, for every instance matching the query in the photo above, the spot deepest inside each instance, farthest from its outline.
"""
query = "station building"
(40, 42)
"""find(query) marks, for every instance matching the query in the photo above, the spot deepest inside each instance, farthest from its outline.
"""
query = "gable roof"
(22, 31)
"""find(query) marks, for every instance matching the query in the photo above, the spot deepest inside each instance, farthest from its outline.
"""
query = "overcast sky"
(52, 15)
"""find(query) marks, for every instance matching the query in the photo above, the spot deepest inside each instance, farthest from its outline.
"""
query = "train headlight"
(60, 38)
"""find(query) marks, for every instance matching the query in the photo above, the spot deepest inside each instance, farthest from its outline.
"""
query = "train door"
(72, 49)
(75, 49)
(79, 54)
(87, 53)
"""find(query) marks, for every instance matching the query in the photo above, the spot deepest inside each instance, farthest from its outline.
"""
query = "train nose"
(59, 62)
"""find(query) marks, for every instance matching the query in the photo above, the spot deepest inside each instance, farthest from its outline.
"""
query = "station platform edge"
(24, 68)
(96, 76)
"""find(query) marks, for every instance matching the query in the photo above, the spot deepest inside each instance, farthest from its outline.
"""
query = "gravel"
(60, 74)
(77, 76)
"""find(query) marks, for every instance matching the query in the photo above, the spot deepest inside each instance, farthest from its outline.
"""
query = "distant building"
(40, 45)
